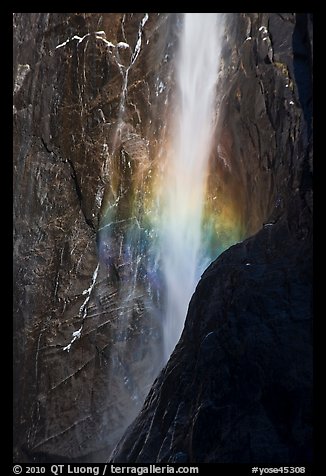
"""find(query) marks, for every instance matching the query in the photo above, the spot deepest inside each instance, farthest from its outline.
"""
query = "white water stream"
(197, 68)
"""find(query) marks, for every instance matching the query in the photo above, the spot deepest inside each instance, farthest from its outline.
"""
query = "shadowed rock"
(238, 387)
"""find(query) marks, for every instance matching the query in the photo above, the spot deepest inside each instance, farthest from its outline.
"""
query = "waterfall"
(183, 259)
(160, 225)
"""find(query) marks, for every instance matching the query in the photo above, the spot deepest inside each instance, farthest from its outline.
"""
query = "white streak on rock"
(98, 34)
(22, 71)
(122, 44)
(108, 43)
(138, 44)
(75, 37)
(83, 311)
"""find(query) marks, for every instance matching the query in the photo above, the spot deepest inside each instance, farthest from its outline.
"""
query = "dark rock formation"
(238, 387)
(71, 355)
(91, 95)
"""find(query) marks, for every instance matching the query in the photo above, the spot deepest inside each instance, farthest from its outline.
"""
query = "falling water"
(160, 224)
(187, 165)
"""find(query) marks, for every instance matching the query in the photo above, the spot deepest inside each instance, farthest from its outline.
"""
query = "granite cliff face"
(90, 90)
(91, 97)
(238, 387)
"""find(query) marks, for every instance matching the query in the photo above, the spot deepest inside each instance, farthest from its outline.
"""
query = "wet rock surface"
(71, 397)
(238, 387)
